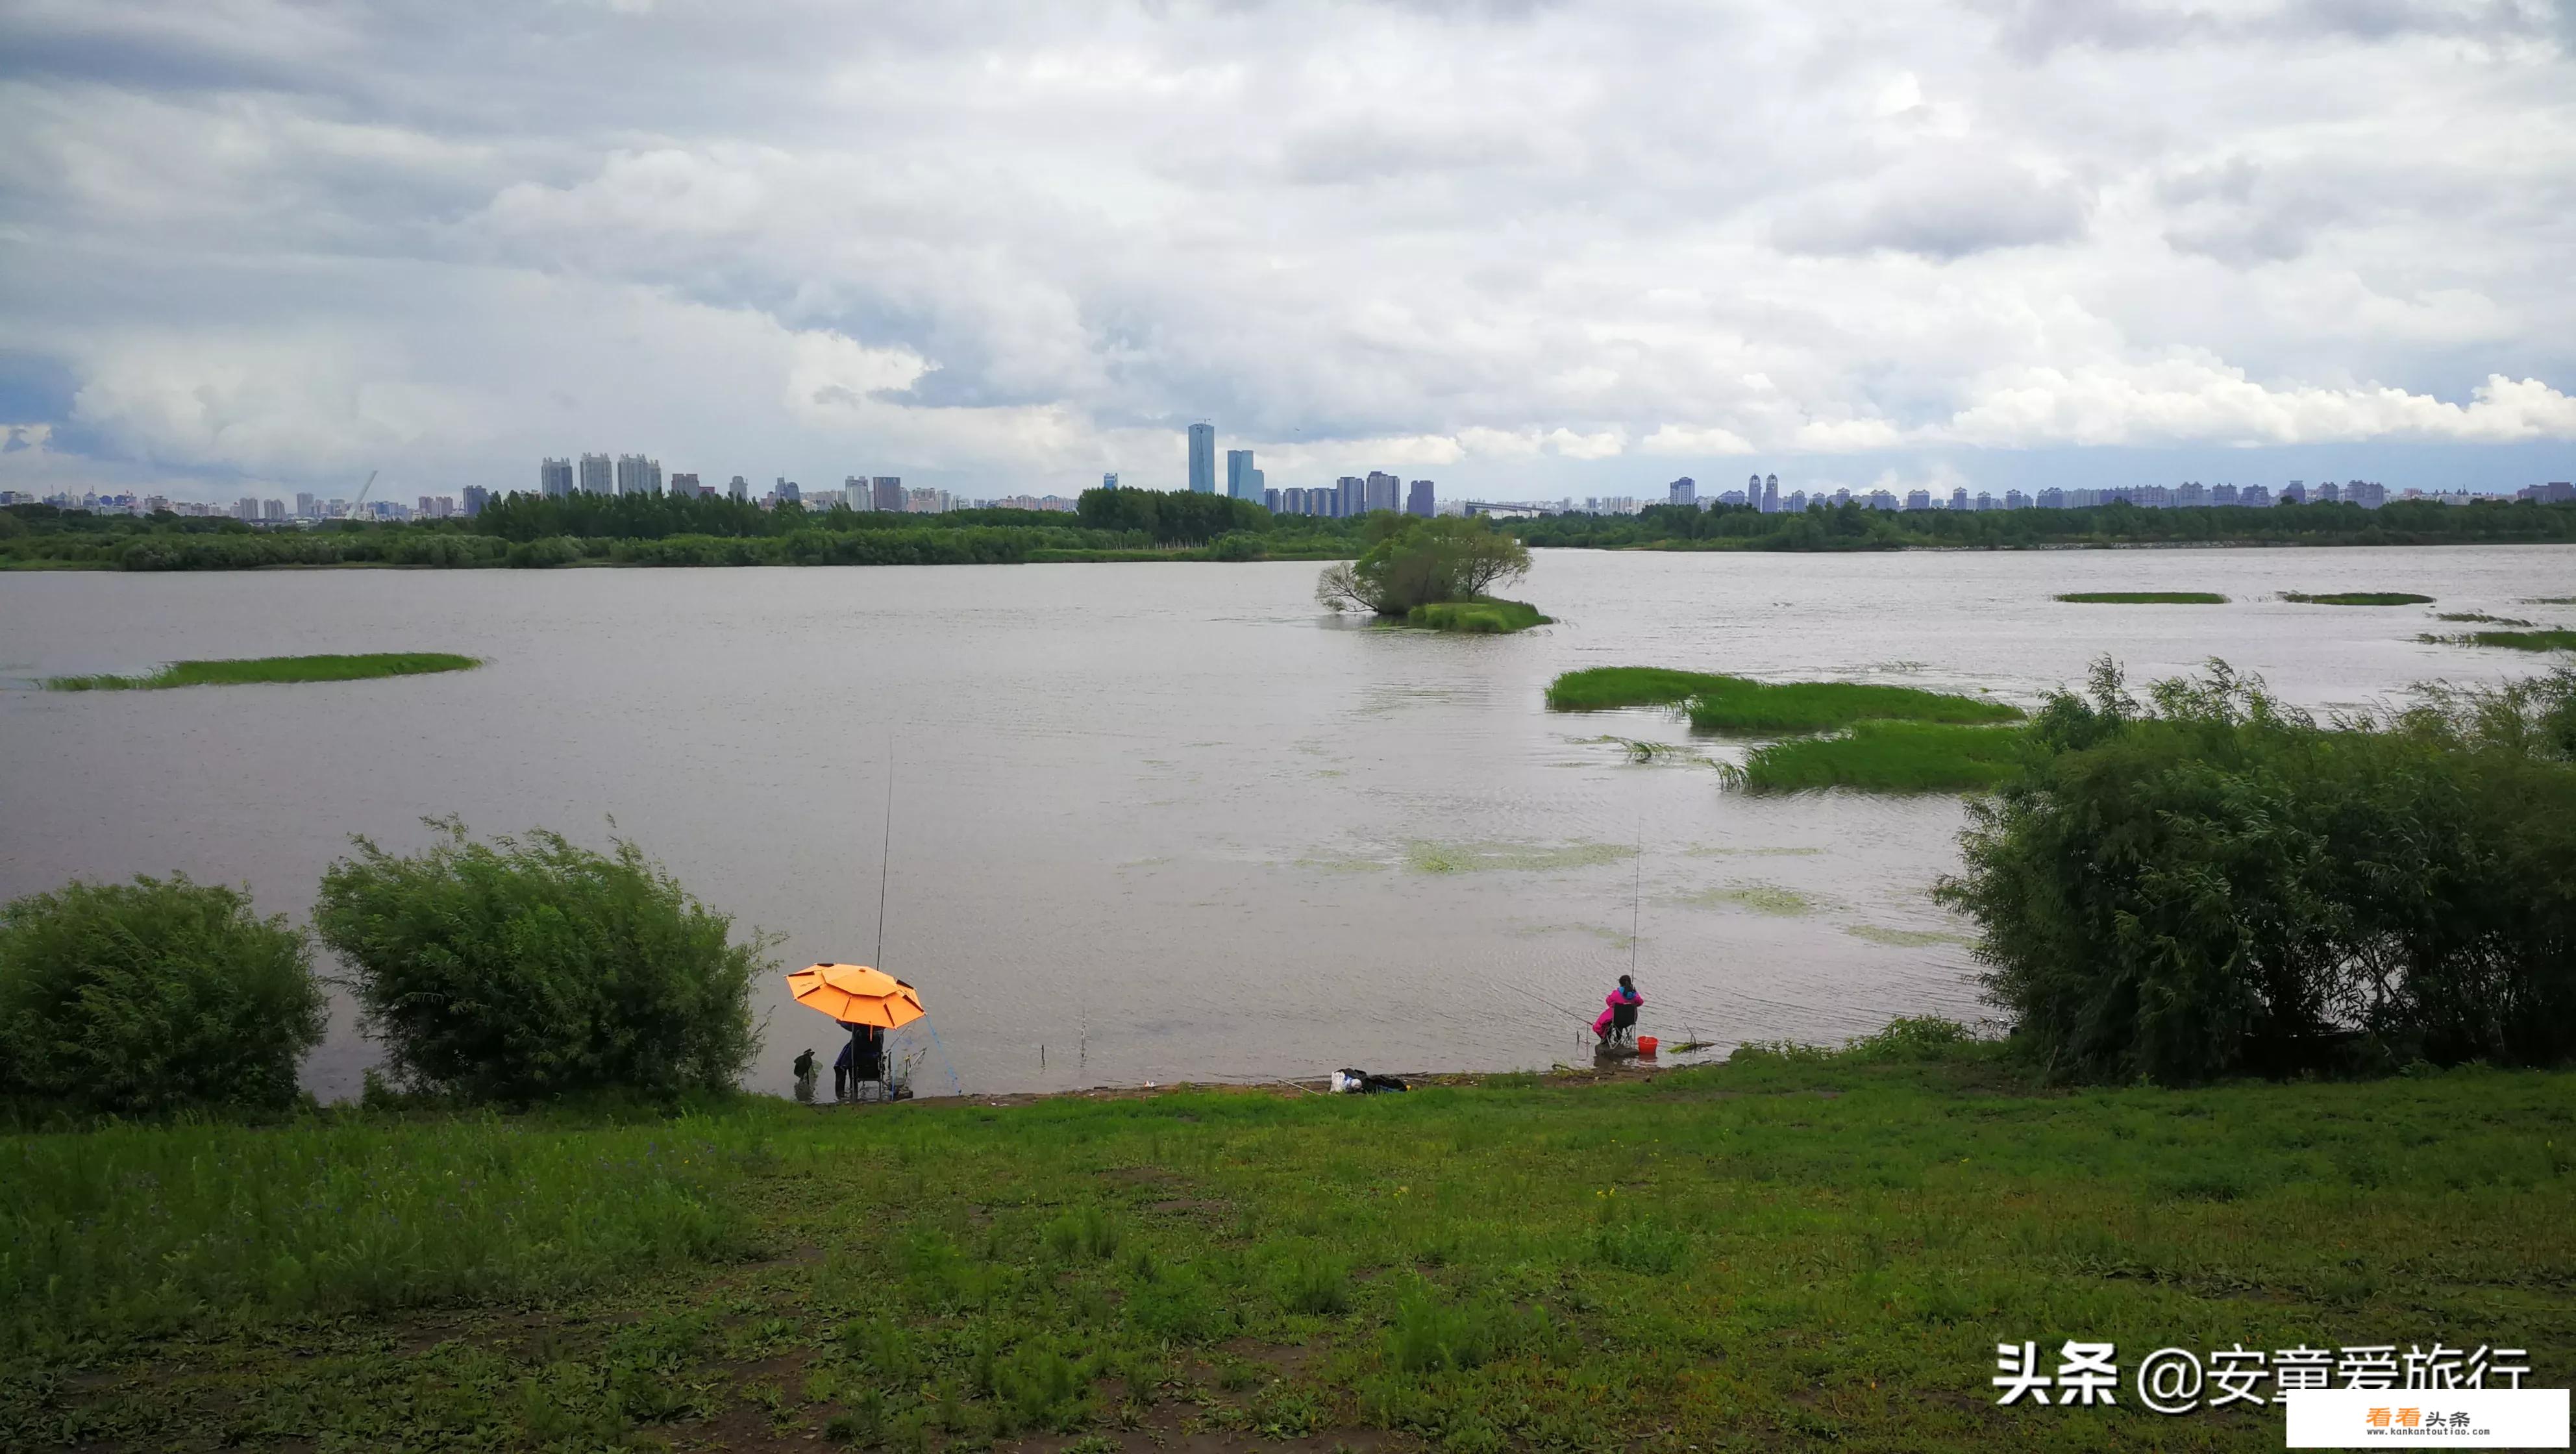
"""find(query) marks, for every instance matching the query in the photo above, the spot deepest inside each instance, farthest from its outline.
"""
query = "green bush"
(152, 996)
(513, 971)
(2211, 883)
(1414, 562)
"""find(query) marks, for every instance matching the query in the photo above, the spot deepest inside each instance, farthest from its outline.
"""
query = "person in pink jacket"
(1624, 998)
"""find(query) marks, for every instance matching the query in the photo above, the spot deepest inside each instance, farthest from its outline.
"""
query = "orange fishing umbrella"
(856, 995)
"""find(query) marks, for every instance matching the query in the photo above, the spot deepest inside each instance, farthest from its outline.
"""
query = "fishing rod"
(885, 849)
(1551, 1004)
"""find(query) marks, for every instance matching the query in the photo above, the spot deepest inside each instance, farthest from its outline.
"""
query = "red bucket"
(1646, 1044)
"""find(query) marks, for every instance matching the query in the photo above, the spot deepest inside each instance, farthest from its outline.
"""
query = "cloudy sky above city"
(1522, 248)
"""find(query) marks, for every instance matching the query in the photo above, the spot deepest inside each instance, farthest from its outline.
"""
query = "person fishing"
(1618, 1011)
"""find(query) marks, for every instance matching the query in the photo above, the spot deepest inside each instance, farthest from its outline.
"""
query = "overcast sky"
(1521, 248)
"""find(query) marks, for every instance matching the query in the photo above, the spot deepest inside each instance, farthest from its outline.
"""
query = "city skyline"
(1919, 249)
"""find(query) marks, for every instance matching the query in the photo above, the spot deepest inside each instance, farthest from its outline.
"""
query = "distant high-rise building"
(2368, 494)
(476, 497)
(2254, 496)
(888, 492)
(637, 475)
(1385, 492)
(788, 491)
(554, 478)
(739, 488)
(2329, 493)
(2052, 498)
(2222, 494)
(1238, 475)
(598, 475)
(1109, 481)
(1683, 491)
(685, 485)
(273, 511)
(1418, 500)
(246, 508)
(1260, 484)
(926, 501)
(2295, 493)
(1202, 458)
(1350, 496)
(304, 506)
(1959, 498)
(1918, 499)
(1771, 495)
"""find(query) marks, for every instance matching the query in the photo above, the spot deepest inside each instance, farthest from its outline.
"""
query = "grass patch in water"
(2482, 618)
(1429, 857)
(2551, 640)
(1760, 898)
(1904, 938)
(272, 669)
(1738, 704)
(1606, 688)
(1745, 706)
(2144, 598)
(1487, 617)
(2359, 598)
(1887, 757)
(2549, 601)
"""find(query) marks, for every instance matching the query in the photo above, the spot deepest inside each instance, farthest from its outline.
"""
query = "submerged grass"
(2144, 598)
(1792, 1249)
(1888, 757)
(2359, 598)
(1485, 617)
(271, 669)
(2482, 618)
(2546, 640)
(1429, 857)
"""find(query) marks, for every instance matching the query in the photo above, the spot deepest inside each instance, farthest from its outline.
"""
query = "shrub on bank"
(2211, 883)
(152, 996)
(516, 971)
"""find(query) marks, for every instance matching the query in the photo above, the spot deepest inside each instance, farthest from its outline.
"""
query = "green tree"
(152, 996)
(1414, 562)
(518, 970)
(2208, 882)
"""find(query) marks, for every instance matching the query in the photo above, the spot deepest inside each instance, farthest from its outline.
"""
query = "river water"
(1157, 822)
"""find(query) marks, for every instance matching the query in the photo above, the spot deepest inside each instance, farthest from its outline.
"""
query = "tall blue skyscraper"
(1239, 475)
(1202, 458)
(1419, 501)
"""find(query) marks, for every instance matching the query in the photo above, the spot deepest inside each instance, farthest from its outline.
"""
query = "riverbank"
(1782, 1250)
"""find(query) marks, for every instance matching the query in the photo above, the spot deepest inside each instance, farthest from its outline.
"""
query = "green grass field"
(271, 669)
(1477, 618)
(1735, 704)
(2144, 598)
(2359, 598)
(1887, 757)
(1789, 1250)
(2545, 640)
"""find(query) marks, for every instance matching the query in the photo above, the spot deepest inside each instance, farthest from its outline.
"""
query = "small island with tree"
(1435, 573)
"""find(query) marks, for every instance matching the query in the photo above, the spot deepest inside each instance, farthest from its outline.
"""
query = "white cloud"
(1023, 243)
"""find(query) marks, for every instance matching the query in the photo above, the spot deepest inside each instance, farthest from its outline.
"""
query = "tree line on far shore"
(1855, 526)
(538, 531)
